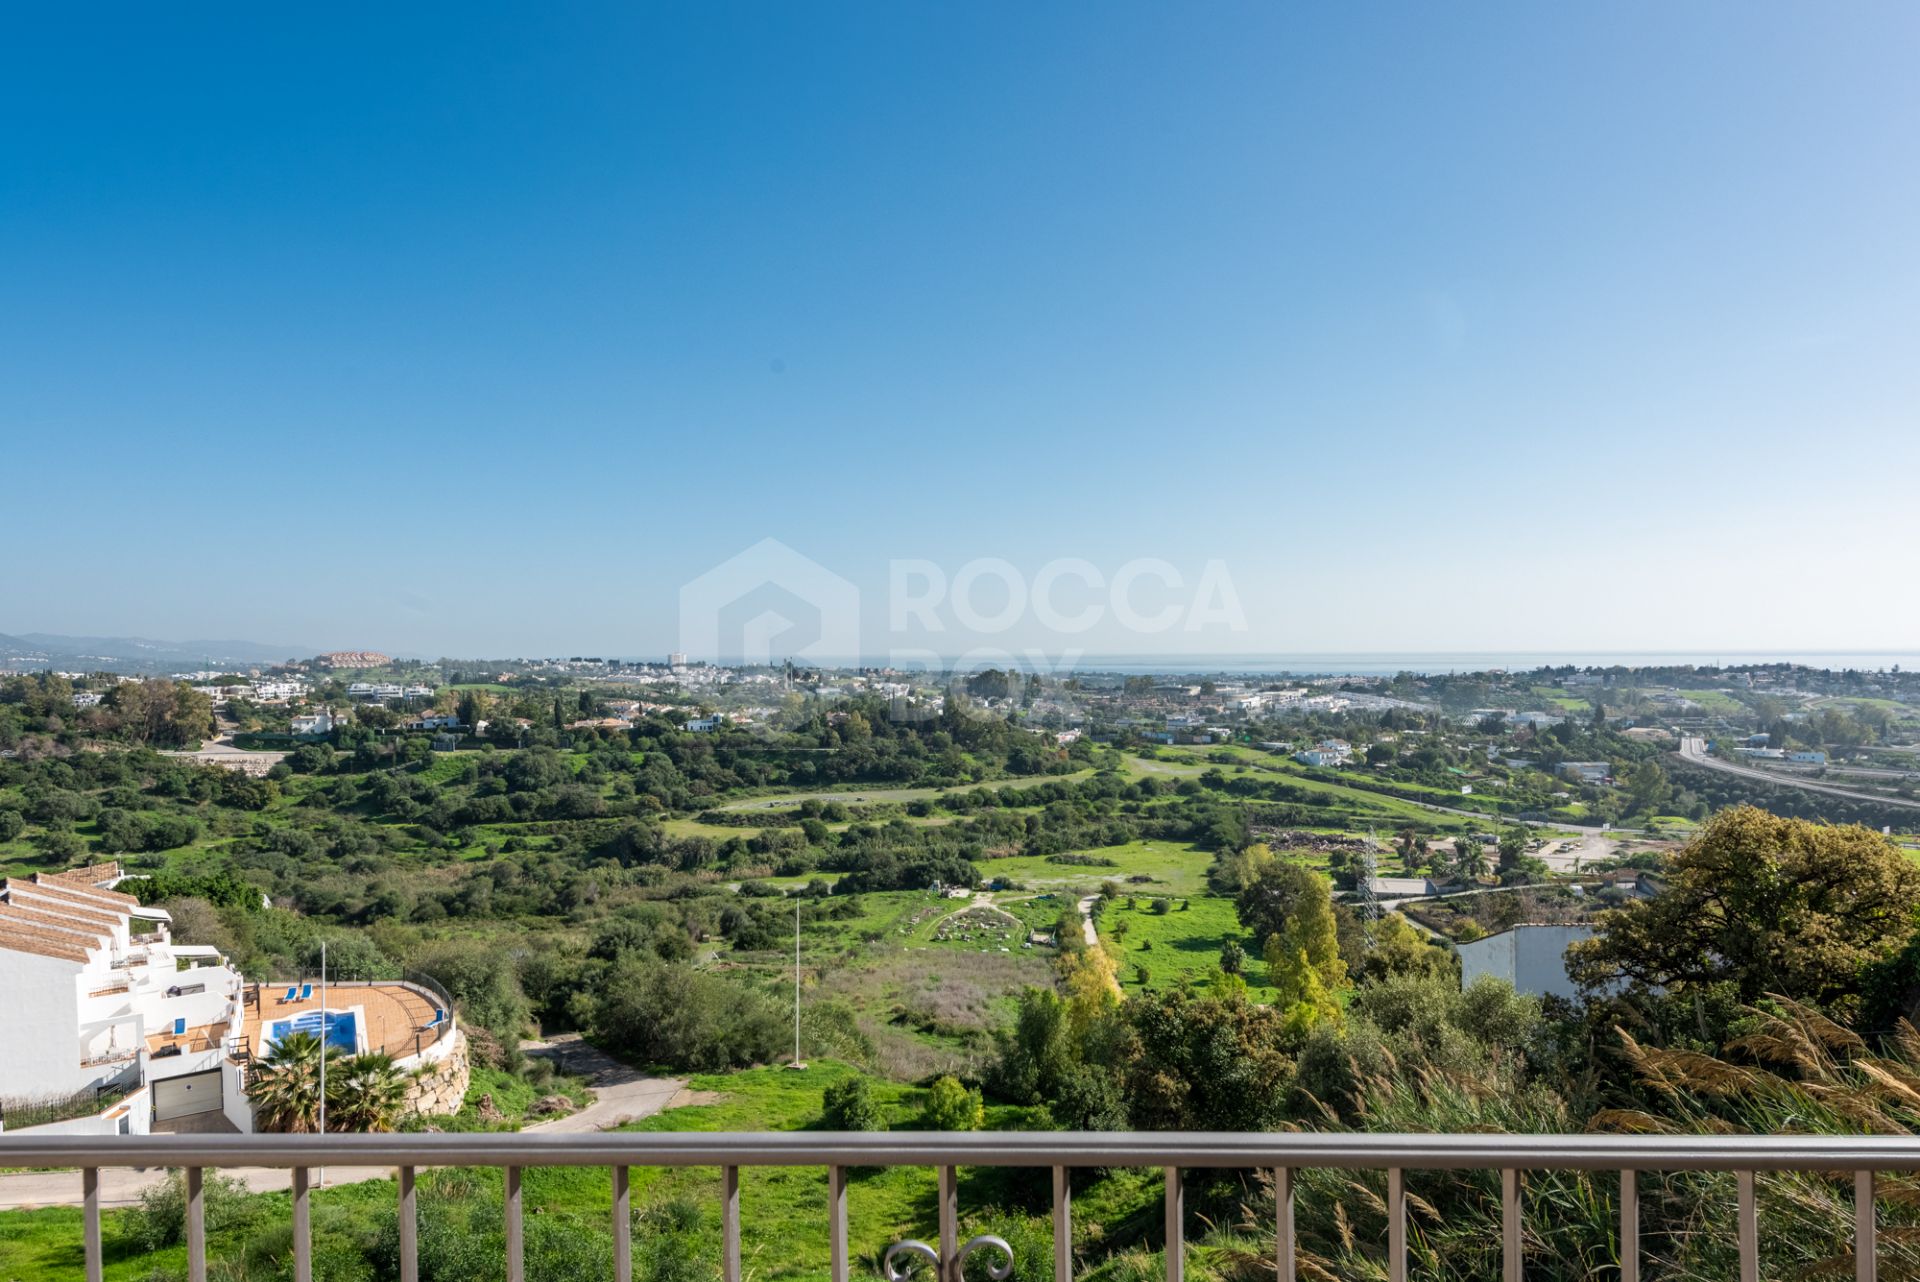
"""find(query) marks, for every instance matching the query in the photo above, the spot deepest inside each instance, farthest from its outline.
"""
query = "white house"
(1328, 752)
(1586, 771)
(128, 1030)
(99, 1001)
(433, 721)
(314, 723)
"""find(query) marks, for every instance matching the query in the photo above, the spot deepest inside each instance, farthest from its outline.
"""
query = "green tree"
(1647, 788)
(1213, 1063)
(1469, 859)
(1233, 957)
(1400, 950)
(365, 1093)
(285, 1087)
(668, 1013)
(1765, 904)
(952, 1107)
(1274, 896)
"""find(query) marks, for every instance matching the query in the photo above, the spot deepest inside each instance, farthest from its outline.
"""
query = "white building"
(1328, 752)
(129, 1031)
(1531, 958)
(1586, 771)
(315, 723)
(98, 1001)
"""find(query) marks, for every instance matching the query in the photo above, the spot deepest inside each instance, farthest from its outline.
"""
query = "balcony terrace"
(838, 1153)
(394, 1018)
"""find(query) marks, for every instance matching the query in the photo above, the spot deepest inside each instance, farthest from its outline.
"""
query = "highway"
(1694, 751)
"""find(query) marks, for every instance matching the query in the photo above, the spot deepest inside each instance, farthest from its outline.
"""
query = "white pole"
(796, 982)
(323, 1050)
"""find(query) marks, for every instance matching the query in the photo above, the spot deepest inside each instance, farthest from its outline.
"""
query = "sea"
(1425, 663)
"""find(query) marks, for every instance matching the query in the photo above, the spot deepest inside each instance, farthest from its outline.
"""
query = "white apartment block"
(131, 1031)
(100, 996)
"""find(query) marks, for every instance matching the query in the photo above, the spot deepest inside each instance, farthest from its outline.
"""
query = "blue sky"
(482, 329)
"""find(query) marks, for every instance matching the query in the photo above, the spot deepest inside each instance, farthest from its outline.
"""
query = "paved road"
(1694, 752)
(620, 1094)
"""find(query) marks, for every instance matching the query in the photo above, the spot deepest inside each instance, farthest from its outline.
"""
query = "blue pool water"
(341, 1032)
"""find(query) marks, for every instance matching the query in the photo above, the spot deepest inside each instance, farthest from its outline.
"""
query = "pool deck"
(392, 1016)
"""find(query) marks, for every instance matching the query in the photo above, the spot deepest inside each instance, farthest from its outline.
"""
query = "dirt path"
(1086, 920)
(1093, 938)
(620, 1094)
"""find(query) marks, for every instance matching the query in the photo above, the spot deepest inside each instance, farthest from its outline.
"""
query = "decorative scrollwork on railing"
(911, 1249)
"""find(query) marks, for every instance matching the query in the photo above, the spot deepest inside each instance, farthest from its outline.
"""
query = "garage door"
(184, 1096)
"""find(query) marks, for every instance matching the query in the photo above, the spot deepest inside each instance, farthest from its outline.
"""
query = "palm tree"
(366, 1093)
(1470, 859)
(285, 1087)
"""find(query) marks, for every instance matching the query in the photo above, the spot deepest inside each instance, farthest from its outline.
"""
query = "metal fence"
(42, 1110)
(1512, 1155)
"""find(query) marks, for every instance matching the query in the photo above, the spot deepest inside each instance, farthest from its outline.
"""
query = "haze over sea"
(1387, 663)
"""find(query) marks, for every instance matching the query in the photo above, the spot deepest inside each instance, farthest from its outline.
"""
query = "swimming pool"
(342, 1029)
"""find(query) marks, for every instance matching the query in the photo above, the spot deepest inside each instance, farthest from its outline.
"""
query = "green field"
(1171, 867)
(1180, 946)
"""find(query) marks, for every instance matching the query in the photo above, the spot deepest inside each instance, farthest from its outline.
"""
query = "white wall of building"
(42, 996)
(1531, 958)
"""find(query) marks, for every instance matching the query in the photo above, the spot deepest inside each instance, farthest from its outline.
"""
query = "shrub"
(160, 1221)
(850, 1106)
(669, 1013)
(952, 1107)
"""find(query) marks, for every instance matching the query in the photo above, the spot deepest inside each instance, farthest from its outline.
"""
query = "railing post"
(1510, 1225)
(1864, 1246)
(90, 1196)
(1749, 1229)
(730, 1223)
(1062, 1225)
(196, 1227)
(837, 1212)
(302, 1227)
(1629, 1226)
(1283, 1249)
(949, 1224)
(1176, 1225)
(516, 1241)
(409, 1228)
(1396, 1225)
(622, 1226)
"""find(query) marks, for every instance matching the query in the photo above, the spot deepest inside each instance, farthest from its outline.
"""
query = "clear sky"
(478, 329)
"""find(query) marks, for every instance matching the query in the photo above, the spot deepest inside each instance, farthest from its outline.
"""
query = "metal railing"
(1281, 1154)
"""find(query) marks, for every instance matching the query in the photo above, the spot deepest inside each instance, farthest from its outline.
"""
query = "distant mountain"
(137, 654)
